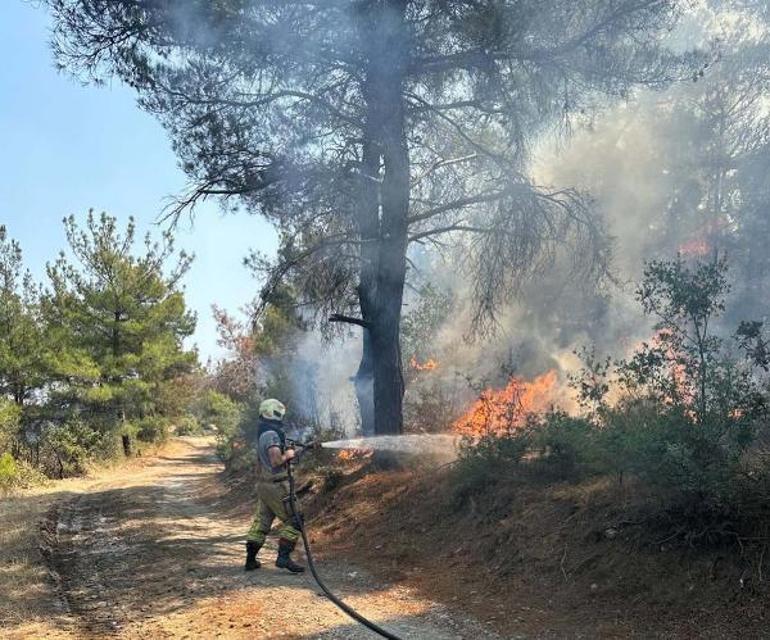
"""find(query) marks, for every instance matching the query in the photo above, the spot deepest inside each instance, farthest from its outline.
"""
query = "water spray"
(430, 444)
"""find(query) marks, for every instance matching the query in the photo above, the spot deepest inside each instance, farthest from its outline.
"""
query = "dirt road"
(157, 553)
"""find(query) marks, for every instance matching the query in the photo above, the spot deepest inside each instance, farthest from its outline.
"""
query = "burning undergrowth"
(501, 412)
(683, 418)
(429, 365)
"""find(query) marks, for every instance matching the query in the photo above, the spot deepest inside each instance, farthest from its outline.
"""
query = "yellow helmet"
(272, 409)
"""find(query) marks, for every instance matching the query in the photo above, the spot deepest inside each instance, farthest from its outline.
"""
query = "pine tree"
(22, 348)
(361, 128)
(121, 320)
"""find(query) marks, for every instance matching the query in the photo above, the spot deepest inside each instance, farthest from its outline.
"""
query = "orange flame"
(695, 248)
(429, 365)
(502, 411)
(348, 455)
(702, 242)
(681, 382)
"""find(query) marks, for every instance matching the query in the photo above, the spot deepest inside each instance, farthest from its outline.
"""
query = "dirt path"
(158, 554)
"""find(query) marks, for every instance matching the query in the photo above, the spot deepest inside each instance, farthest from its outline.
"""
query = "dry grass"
(543, 559)
(29, 606)
(26, 594)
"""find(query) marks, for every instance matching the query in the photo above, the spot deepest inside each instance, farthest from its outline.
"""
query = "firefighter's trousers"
(270, 507)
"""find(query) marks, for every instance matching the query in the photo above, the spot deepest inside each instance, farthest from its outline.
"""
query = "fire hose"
(298, 520)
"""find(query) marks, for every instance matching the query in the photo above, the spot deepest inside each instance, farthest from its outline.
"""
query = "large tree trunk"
(384, 208)
(364, 385)
(19, 394)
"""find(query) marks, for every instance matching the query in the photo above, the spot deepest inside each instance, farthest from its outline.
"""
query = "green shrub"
(10, 414)
(217, 412)
(18, 474)
(683, 415)
(662, 446)
(188, 426)
(548, 446)
(234, 442)
(482, 463)
(565, 443)
(689, 407)
(152, 429)
(73, 443)
(9, 472)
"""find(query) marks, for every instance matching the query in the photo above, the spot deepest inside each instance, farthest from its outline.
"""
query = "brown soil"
(543, 560)
(156, 551)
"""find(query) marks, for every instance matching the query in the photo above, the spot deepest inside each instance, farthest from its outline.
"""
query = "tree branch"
(448, 229)
(460, 203)
(262, 101)
(438, 164)
(338, 317)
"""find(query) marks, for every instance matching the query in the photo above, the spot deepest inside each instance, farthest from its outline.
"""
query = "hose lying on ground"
(346, 608)
(299, 523)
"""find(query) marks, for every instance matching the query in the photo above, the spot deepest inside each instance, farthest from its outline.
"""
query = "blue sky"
(65, 148)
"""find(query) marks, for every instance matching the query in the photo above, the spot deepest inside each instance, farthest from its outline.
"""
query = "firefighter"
(272, 487)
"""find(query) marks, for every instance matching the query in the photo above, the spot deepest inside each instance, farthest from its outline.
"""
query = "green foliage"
(754, 344)
(550, 446)
(217, 411)
(685, 301)
(17, 474)
(591, 381)
(483, 463)
(74, 443)
(23, 351)
(506, 451)
(565, 443)
(10, 415)
(153, 429)
(690, 408)
(97, 356)
(9, 472)
(683, 297)
(233, 441)
(188, 425)
(119, 318)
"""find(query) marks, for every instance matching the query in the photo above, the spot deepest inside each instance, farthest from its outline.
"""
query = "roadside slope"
(545, 560)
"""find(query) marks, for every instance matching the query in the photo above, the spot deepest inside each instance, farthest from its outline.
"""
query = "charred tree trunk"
(364, 385)
(19, 394)
(384, 208)
(125, 437)
(126, 441)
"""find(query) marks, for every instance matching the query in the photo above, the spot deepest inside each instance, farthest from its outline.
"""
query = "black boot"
(284, 561)
(252, 548)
